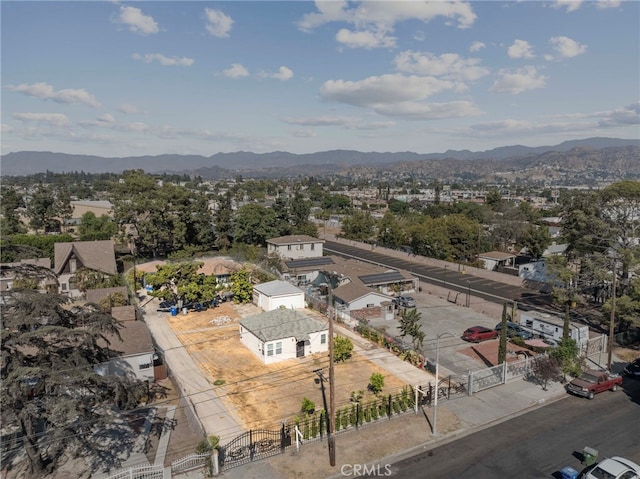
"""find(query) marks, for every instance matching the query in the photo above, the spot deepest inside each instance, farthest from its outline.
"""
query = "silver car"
(407, 301)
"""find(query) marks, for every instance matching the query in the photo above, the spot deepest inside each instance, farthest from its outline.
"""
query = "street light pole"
(332, 389)
(468, 293)
(435, 401)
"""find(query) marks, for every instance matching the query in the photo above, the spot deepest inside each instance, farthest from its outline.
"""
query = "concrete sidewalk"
(411, 434)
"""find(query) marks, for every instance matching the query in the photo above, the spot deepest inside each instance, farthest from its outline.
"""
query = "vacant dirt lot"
(263, 396)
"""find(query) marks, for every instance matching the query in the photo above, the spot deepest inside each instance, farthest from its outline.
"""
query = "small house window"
(144, 366)
(289, 247)
(270, 349)
(279, 347)
(323, 338)
(313, 246)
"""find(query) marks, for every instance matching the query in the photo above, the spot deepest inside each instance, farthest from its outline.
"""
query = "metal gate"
(254, 445)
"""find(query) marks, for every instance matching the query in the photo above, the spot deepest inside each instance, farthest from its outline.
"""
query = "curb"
(458, 434)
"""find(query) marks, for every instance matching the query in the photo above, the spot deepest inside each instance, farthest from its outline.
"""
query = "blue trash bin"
(174, 311)
(149, 288)
(569, 473)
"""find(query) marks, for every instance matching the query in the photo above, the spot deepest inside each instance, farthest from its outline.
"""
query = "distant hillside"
(223, 164)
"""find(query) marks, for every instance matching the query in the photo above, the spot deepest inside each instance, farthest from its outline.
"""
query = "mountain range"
(279, 163)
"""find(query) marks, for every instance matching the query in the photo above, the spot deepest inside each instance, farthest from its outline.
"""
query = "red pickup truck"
(592, 381)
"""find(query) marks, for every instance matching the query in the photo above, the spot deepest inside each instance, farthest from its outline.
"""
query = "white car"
(615, 468)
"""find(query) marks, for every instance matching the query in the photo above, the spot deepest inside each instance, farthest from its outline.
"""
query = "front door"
(300, 349)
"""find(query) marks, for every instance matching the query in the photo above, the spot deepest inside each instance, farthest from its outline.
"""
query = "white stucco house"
(295, 247)
(354, 297)
(277, 294)
(493, 260)
(281, 334)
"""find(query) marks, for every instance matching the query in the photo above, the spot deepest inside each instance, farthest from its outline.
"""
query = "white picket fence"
(189, 462)
(143, 471)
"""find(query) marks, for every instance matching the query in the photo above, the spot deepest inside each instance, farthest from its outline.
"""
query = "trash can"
(569, 473)
(184, 311)
(149, 288)
(174, 311)
(589, 456)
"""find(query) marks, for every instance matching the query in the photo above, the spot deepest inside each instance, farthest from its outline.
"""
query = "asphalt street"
(540, 443)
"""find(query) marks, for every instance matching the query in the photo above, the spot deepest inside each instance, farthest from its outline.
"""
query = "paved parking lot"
(442, 318)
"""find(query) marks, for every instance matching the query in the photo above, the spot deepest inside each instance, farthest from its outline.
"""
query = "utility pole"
(613, 316)
(332, 381)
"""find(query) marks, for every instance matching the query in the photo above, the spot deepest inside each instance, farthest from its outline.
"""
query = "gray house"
(282, 334)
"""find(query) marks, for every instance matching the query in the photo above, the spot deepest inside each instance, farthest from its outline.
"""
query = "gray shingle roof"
(277, 288)
(282, 323)
(293, 239)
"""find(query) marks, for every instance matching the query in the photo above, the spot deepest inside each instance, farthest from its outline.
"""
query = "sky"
(145, 78)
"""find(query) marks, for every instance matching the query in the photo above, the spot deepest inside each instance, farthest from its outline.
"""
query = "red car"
(476, 334)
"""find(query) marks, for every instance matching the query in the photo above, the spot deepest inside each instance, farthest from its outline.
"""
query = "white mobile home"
(548, 326)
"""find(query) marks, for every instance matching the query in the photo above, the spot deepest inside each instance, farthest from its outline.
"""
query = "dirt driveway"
(264, 395)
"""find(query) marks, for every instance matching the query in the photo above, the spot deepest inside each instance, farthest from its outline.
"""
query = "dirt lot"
(263, 395)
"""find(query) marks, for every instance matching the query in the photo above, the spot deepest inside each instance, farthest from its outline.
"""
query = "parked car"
(514, 329)
(407, 301)
(614, 468)
(475, 334)
(633, 369)
(592, 382)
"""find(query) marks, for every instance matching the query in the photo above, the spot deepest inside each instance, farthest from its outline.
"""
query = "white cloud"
(565, 47)
(46, 92)
(602, 4)
(163, 59)
(137, 21)
(218, 24)
(629, 115)
(236, 71)
(429, 111)
(304, 133)
(520, 49)
(569, 5)
(365, 39)
(373, 21)
(447, 65)
(521, 80)
(390, 88)
(53, 119)
(384, 15)
(283, 74)
(128, 108)
(5, 128)
(476, 46)
(106, 118)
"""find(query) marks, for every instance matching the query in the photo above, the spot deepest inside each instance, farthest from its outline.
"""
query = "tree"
(390, 231)
(181, 282)
(537, 240)
(502, 348)
(48, 353)
(342, 348)
(307, 406)
(11, 202)
(241, 286)
(545, 369)
(254, 224)
(96, 228)
(376, 383)
(224, 222)
(410, 325)
(43, 210)
(567, 356)
(358, 226)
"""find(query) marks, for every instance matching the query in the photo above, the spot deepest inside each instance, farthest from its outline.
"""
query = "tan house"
(70, 257)
(295, 247)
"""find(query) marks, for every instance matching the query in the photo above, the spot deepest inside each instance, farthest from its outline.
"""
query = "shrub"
(342, 349)
(307, 406)
(338, 420)
(376, 383)
(314, 425)
(345, 418)
(353, 417)
(374, 410)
